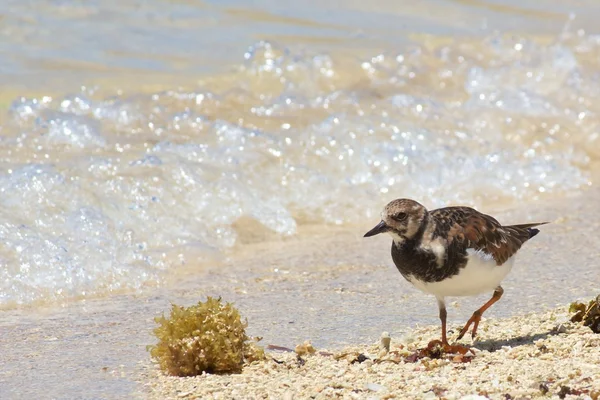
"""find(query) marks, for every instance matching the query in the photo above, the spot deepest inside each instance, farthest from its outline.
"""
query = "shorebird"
(452, 251)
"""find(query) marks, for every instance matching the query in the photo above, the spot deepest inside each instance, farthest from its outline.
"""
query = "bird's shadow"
(493, 345)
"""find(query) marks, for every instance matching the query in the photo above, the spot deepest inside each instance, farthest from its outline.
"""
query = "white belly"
(480, 275)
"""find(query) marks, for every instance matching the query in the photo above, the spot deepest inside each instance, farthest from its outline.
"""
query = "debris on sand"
(589, 315)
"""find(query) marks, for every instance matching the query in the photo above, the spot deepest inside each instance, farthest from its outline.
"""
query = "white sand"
(531, 356)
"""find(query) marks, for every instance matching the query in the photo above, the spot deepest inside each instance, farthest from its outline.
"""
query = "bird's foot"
(474, 320)
(438, 347)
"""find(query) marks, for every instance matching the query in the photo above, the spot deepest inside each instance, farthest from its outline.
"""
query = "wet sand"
(326, 285)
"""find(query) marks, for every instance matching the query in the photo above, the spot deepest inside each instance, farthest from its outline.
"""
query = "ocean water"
(136, 140)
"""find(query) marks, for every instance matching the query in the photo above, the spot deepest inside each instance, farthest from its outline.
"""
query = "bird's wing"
(470, 228)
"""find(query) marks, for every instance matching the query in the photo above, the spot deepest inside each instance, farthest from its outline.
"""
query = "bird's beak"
(379, 228)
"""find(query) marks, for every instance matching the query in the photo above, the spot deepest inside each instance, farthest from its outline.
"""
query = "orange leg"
(443, 315)
(447, 348)
(476, 317)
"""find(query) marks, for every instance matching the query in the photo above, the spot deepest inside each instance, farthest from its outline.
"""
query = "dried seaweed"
(566, 391)
(279, 348)
(360, 359)
(438, 391)
(589, 315)
(305, 348)
(207, 337)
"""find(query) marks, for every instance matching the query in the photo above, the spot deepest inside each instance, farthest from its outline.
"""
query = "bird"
(452, 251)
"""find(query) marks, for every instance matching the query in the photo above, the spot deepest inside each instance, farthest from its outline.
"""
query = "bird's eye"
(400, 217)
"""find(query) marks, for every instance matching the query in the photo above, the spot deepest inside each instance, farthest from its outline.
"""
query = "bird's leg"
(443, 344)
(476, 317)
(443, 315)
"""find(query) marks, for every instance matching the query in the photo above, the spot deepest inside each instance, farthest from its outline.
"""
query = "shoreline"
(330, 286)
(541, 355)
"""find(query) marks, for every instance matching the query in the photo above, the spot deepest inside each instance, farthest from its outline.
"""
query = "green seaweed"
(589, 315)
(207, 337)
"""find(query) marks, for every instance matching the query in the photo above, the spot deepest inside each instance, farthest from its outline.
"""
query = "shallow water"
(109, 186)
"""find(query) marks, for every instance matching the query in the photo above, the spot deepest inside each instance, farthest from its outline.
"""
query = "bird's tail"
(529, 228)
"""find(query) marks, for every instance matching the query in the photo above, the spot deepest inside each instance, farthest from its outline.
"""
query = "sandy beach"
(525, 357)
(341, 292)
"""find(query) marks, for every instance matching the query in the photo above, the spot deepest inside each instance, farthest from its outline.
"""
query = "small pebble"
(375, 387)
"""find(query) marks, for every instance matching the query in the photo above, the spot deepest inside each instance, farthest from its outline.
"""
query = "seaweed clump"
(589, 315)
(207, 337)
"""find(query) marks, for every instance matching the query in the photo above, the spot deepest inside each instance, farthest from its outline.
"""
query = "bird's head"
(401, 218)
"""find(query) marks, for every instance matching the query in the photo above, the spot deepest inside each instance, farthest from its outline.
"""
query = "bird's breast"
(428, 264)
(478, 275)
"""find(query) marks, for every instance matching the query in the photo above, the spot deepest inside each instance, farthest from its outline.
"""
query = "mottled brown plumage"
(482, 232)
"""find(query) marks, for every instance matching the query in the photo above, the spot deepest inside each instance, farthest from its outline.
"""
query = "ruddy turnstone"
(452, 251)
